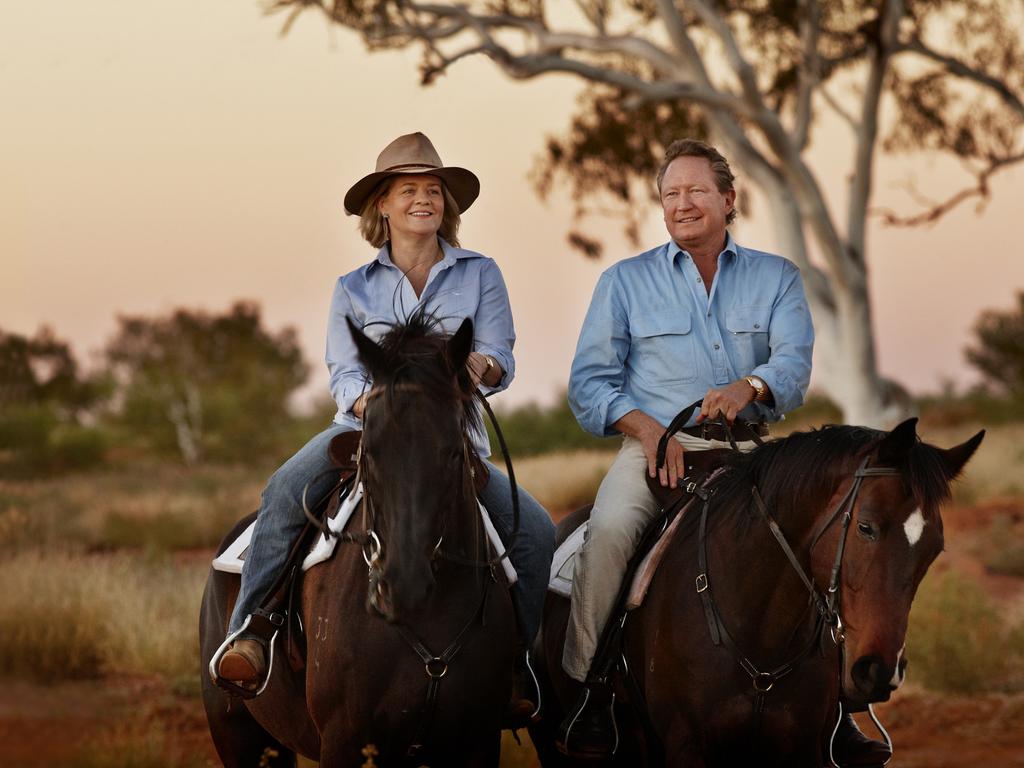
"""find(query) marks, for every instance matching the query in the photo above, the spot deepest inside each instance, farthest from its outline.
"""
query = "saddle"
(278, 611)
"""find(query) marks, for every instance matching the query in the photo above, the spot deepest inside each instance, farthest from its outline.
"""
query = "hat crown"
(407, 153)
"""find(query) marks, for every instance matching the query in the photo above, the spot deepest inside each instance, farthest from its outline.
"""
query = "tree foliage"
(204, 384)
(756, 76)
(998, 348)
(43, 397)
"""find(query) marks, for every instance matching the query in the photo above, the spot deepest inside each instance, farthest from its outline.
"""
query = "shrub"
(957, 641)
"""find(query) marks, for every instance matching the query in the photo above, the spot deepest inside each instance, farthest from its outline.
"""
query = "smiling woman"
(410, 208)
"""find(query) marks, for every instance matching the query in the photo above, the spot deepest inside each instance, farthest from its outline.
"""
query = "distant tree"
(756, 77)
(998, 348)
(206, 384)
(43, 399)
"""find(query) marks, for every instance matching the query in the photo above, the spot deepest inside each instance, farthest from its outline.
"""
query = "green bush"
(531, 430)
(957, 641)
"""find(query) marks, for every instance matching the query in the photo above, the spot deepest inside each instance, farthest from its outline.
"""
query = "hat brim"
(463, 185)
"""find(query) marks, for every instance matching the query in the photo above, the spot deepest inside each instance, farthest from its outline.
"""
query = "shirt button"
(698, 280)
(757, 325)
(717, 347)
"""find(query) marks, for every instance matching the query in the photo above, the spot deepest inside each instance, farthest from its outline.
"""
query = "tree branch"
(867, 138)
(809, 73)
(959, 68)
(936, 211)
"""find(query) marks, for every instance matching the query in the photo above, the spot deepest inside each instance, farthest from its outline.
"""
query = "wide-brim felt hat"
(413, 154)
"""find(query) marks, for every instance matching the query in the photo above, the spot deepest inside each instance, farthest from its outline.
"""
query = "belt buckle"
(704, 431)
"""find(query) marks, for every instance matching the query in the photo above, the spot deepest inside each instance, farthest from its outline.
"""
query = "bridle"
(827, 604)
(371, 542)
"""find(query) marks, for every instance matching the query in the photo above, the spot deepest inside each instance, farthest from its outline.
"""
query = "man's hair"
(375, 231)
(719, 165)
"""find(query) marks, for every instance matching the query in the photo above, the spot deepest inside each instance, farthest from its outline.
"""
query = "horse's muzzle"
(874, 679)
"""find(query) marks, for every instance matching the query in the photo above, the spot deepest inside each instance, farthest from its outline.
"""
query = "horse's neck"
(756, 585)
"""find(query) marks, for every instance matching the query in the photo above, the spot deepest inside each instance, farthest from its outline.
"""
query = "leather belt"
(741, 431)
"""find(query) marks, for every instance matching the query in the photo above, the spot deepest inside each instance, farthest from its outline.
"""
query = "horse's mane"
(812, 464)
(416, 353)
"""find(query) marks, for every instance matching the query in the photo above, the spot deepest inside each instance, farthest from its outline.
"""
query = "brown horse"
(419, 663)
(744, 660)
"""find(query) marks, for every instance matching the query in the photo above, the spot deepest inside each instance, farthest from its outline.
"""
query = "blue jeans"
(280, 521)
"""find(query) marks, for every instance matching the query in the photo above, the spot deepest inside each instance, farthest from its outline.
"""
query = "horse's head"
(894, 536)
(414, 452)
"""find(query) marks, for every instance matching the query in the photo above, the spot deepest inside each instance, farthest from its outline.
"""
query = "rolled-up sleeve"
(597, 375)
(348, 377)
(791, 341)
(494, 332)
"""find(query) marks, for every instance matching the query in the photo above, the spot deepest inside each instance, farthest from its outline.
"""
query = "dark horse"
(757, 679)
(432, 593)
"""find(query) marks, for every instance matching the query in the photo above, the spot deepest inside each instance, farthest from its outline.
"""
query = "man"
(697, 317)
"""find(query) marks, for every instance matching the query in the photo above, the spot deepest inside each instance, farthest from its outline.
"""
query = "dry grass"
(997, 469)
(68, 616)
(564, 481)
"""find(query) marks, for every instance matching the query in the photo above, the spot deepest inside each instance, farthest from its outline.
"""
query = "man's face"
(694, 209)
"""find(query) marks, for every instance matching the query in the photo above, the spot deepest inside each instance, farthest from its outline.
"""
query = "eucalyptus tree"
(756, 77)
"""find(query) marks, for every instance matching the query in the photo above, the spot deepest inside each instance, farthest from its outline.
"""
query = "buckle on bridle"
(701, 582)
(373, 542)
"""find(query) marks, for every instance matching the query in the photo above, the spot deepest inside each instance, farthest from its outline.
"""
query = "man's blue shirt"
(655, 340)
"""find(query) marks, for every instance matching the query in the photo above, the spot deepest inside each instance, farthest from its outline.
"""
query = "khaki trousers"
(622, 510)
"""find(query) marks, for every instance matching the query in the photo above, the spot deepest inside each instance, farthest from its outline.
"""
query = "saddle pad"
(564, 561)
(231, 560)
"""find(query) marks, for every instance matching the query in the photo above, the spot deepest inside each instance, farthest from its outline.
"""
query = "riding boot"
(589, 731)
(245, 663)
(852, 749)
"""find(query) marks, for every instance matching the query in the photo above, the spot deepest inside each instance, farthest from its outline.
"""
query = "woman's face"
(414, 205)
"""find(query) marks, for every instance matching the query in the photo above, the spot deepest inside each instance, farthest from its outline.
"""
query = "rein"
(435, 665)
(827, 604)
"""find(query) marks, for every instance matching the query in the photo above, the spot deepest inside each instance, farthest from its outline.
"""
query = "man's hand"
(727, 401)
(648, 431)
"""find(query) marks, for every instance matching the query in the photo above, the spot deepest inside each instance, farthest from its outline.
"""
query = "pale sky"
(159, 154)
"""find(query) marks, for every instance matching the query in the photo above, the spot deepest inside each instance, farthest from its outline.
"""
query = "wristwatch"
(760, 388)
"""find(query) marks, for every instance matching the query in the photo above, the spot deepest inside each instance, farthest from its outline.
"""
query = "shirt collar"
(451, 254)
(673, 250)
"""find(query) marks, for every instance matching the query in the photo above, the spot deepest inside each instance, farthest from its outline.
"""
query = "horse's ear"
(954, 458)
(370, 352)
(460, 345)
(895, 447)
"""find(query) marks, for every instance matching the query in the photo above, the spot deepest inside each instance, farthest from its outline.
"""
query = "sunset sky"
(162, 154)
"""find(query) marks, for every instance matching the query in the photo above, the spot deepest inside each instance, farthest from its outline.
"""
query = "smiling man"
(697, 317)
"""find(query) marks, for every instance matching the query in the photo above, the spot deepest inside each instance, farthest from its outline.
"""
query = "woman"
(409, 208)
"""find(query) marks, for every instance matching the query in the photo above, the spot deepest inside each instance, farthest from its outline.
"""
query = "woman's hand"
(483, 369)
(359, 405)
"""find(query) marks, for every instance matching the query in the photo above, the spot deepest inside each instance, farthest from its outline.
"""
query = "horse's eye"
(867, 531)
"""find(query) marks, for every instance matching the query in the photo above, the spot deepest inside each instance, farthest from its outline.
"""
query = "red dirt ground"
(66, 723)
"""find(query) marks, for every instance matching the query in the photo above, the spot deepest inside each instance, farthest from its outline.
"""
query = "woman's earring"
(387, 228)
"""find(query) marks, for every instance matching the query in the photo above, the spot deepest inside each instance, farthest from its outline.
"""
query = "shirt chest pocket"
(748, 333)
(662, 347)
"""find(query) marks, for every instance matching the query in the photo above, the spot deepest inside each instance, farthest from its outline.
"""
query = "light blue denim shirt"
(655, 340)
(376, 296)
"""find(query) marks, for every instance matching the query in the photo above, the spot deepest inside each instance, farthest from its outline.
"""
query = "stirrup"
(878, 724)
(227, 685)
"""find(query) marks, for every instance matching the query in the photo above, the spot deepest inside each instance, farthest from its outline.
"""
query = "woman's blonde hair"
(374, 230)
